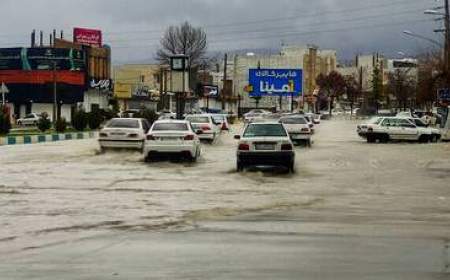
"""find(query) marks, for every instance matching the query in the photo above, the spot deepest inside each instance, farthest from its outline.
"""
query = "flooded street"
(352, 210)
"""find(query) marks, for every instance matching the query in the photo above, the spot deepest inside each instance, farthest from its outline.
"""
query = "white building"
(308, 58)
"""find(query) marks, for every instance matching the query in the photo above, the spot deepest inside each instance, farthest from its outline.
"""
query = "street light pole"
(447, 31)
(55, 101)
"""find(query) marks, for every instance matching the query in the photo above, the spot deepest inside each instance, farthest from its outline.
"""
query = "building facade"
(138, 86)
(310, 59)
(62, 72)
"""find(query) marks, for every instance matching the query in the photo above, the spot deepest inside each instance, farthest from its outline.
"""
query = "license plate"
(265, 147)
(169, 138)
(117, 134)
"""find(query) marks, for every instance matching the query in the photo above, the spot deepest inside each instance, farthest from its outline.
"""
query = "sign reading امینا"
(443, 95)
(275, 82)
(89, 37)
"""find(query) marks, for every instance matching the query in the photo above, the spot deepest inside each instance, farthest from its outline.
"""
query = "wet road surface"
(352, 211)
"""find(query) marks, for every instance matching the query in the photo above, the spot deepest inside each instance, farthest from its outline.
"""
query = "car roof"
(170, 121)
(139, 119)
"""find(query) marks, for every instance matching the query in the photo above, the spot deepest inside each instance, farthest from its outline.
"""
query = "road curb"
(34, 139)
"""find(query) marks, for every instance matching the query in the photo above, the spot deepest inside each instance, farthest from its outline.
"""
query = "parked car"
(314, 117)
(362, 129)
(222, 121)
(123, 133)
(128, 113)
(206, 123)
(298, 129)
(173, 137)
(30, 119)
(265, 143)
(385, 129)
(434, 134)
(167, 116)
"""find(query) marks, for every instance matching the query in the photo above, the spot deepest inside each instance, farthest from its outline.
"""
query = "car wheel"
(148, 158)
(292, 167)
(308, 143)
(194, 157)
(19, 123)
(239, 167)
(424, 139)
(371, 139)
(384, 138)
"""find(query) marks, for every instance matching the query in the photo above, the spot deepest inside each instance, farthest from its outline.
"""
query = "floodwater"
(66, 192)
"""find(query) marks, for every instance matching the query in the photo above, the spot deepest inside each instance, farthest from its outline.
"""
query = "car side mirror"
(237, 137)
(199, 132)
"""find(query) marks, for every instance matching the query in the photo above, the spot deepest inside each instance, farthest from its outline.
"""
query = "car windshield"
(374, 121)
(293, 121)
(263, 130)
(198, 119)
(170, 126)
(123, 123)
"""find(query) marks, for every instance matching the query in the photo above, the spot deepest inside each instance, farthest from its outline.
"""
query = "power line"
(266, 20)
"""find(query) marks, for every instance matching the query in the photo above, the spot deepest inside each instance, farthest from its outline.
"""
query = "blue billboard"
(443, 95)
(275, 82)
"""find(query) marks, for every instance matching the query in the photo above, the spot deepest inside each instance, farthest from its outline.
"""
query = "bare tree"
(403, 86)
(432, 76)
(184, 39)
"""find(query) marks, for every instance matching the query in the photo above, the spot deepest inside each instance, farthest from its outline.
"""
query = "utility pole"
(55, 99)
(225, 68)
(447, 40)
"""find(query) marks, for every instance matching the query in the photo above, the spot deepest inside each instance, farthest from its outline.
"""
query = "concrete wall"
(94, 96)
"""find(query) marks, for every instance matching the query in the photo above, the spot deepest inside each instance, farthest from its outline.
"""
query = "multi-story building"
(310, 59)
(138, 86)
(63, 73)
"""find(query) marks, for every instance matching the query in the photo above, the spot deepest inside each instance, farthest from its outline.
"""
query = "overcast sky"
(133, 27)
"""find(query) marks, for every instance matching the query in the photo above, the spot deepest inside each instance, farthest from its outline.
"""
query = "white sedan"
(30, 119)
(172, 137)
(265, 144)
(122, 133)
(298, 129)
(209, 127)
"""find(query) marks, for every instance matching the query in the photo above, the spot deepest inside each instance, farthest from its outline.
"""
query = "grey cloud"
(123, 21)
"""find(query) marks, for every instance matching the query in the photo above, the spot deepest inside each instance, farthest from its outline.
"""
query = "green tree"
(377, 88)
(5, 121)
(44, 122)
(79, 120)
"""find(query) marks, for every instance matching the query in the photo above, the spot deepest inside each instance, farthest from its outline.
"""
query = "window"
(123, 123)
(263, 130)
(293, 121)
(405, 123)
(198, 119)
(170, 126)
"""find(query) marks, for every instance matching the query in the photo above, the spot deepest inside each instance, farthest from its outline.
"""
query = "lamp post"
(446, 30)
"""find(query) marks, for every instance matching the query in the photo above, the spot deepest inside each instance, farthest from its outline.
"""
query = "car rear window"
(262, 130)
(123, 123)
(218, 119)
(198, 119)
(293, 121)
(170, 126)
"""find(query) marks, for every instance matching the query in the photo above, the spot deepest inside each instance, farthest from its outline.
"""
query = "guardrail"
(34, 139)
